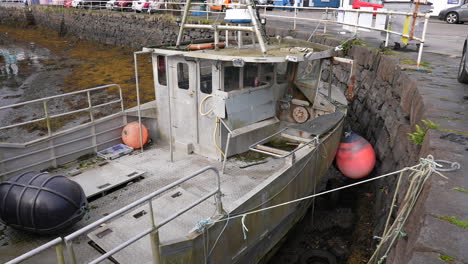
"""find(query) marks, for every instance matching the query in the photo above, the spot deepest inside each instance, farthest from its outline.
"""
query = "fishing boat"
(239, 125)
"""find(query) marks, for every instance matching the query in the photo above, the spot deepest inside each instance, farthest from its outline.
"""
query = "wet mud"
(337, 229)
(36, 63)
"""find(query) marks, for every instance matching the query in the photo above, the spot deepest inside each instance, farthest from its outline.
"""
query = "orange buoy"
(355, 156)
(131, 135)
(205, 46)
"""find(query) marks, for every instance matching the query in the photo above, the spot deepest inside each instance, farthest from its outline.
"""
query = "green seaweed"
(446, 258)
(460, 190)
(250, 156)
(454, 221)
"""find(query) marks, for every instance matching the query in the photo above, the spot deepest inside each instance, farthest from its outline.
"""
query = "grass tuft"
(454, 221)
(460, 190)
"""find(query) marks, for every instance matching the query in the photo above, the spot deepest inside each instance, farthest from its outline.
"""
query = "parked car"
(221, 5)
(463, 69)
(111, 4)
(265, 2)
(155, 6)
(455, 15)
(375, 4)
(124, 5)
(67, 4)
(141, 5)
(77, 3)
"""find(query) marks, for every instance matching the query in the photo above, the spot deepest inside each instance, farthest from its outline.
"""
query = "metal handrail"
(153, 231)
(147, 199)
(57, 243)
(47, 117)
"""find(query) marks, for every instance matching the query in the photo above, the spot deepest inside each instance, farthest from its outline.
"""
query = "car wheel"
(451, 18)
(462, 70)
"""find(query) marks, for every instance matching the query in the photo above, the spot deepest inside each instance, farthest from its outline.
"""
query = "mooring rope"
(418, 177)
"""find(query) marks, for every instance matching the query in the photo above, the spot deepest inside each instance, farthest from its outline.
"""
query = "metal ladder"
(255, 28)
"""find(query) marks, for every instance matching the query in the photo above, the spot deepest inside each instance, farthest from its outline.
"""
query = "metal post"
(59, 252)
(90, 106)
(216, 37)
(226, 152)
(295, 15)
(423, 39)
(184, 19)
(239, 38)
(71, 252)
(138, 100)
(325, 24)
(171, 150)
(389, 17)
(357, 22)
(49, 129)
(219, 203)
(255, 26)
(49, 132)
(227, 38)
(154, 237)
(91, 116)
(330, 75)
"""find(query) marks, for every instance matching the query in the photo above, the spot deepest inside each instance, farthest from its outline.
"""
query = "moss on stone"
(454, 221)
(460, 190)
(446, 258)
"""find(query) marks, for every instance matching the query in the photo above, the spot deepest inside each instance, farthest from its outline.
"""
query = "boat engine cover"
(41, 203)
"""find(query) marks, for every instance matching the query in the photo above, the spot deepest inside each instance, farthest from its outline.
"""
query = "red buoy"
(355, 156)
(131, 135)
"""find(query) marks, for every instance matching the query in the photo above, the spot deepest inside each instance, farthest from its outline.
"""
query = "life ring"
(203, 46)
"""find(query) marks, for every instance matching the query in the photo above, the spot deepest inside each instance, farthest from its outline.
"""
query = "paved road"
(441, 38)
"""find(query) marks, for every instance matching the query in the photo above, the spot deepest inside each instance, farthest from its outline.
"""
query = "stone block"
(387, 67)
(364, 56)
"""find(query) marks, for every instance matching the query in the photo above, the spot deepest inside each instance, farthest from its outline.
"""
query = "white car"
(155, 6)
(78, 3)
(141, 5)
(111, 4)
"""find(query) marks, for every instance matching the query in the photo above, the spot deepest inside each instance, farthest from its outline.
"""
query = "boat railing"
(152, 231)
(46, 115)
(59, 149)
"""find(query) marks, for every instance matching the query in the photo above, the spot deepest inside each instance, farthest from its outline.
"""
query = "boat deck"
(158, 172)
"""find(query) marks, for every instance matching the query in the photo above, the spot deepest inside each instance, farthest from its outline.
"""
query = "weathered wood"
(272, 150)
(300, 139)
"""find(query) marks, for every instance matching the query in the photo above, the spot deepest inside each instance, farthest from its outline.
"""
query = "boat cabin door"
(184, 110)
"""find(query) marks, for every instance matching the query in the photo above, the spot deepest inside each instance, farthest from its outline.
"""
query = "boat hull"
(265, 228)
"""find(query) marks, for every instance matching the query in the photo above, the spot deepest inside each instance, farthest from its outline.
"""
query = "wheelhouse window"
(161, 65)
(206, 81)
(231, 78)
(183, 75)
(251, 76)
(281, 70)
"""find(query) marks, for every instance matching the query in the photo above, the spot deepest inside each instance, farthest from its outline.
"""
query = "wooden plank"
(272, 150)
(300, 139)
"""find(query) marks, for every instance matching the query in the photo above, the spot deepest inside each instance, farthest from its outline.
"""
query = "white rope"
(419, 175)
(314, 195)
(418, 178)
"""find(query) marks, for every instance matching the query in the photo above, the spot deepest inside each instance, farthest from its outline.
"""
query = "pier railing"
(60, 243)
(407, 26)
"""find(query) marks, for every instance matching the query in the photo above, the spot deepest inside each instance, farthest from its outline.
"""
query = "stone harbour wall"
(112, 28)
